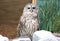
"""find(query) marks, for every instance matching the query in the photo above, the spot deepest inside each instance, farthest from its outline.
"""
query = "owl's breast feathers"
(29, 20)
(25, 18)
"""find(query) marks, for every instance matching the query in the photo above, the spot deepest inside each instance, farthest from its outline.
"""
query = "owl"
(28, 22)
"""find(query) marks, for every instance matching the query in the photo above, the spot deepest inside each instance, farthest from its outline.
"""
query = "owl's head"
(30, 8)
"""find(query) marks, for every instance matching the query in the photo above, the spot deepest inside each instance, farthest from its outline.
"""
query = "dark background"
(10, 12)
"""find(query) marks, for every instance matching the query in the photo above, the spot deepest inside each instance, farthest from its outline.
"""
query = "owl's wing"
(19, 28)
(20, 25)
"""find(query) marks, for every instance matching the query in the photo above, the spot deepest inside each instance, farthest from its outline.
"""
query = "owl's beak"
(31, 10)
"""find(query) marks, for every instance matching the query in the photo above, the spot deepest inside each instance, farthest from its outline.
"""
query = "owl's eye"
(28, 7)
(33, 7)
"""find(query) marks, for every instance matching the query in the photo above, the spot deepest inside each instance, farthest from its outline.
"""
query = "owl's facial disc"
(30, 8)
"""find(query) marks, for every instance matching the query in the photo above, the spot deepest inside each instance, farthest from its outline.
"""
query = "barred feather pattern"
(28, 24)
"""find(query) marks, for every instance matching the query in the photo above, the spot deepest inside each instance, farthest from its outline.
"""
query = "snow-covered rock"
(2, 38)
(43, 35)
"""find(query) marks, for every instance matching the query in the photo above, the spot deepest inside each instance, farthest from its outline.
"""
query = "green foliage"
(49, 15)
(56, 27)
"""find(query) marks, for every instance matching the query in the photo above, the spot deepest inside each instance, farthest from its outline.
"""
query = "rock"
(2, 38)
(58, 38)
(43, 35)
(21, 39)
